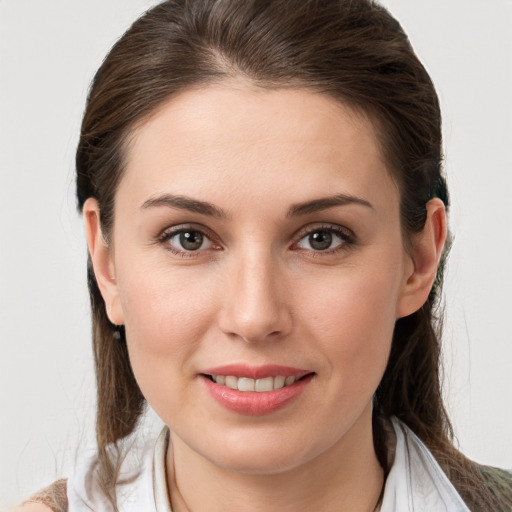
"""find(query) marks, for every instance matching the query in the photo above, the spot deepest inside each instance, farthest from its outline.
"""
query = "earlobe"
(102, 261)
(426, 252)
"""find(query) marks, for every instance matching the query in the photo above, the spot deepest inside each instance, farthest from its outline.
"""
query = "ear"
(102, 259)
(425, 255)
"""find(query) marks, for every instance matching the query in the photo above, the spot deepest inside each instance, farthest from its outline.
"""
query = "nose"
(256, 306)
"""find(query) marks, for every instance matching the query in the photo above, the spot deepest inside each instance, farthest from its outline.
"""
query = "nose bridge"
(256, 308)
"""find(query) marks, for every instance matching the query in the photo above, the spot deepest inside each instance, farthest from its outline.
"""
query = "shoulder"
(50, 499)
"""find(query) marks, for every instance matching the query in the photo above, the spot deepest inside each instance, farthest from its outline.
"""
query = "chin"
(263, 453)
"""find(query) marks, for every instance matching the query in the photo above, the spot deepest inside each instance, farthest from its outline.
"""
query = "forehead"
(233, 139)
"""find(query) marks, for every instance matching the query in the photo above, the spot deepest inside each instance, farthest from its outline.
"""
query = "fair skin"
(316, 287)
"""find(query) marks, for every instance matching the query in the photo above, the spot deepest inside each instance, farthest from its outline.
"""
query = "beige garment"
(54, 496)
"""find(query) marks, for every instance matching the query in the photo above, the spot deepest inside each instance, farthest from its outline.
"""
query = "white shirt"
(415, 483)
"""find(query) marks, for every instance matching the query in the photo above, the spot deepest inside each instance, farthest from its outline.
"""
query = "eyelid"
(172, 230)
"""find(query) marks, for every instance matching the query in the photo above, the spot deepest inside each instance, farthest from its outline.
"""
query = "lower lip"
(254, 403)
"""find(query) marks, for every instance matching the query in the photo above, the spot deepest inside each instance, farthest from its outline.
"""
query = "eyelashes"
(189, 241)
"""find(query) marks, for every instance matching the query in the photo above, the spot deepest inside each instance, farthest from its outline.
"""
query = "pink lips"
(253, 403)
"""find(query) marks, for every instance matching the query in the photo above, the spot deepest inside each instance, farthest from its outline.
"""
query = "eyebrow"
(185, 203)
(298, 209)
(324, 203)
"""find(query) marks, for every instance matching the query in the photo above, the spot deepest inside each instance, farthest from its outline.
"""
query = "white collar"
(160, 473)
(416, 482)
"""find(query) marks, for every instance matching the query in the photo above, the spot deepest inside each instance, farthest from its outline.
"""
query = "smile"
(256, 391)
(258, 385)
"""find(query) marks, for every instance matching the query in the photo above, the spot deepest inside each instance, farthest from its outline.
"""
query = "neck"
(347, 477)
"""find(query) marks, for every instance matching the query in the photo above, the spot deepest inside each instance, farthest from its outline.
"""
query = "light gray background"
(49, 50)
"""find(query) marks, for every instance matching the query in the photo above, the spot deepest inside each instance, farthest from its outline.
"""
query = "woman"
(265, 212)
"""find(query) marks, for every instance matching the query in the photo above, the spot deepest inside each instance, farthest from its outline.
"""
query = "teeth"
(266, 384)
(259, 385)
(289, 380)
(279, 381)
(245, 384)
(231, 382)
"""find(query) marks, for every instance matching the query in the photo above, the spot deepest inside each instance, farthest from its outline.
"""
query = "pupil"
(191, 240)
(320, 240)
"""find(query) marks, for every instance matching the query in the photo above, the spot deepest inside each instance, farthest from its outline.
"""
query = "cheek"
(158, 301)
(352, 317)
(166, 317)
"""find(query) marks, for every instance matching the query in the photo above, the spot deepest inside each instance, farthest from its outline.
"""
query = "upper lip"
(256, 372)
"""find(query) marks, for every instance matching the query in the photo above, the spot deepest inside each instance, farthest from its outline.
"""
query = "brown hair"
(353, 50)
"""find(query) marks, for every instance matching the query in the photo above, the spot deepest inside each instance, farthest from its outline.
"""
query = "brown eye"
(188, 240)
(320, 240)
(191, 240)
(324, 239)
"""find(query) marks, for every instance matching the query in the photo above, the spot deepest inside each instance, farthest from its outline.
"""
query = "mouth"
(247, 384)
(256, 391)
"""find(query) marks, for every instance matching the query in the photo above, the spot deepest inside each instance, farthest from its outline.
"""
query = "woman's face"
(256, 238)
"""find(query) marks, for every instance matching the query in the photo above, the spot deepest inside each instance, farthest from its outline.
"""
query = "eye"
(324, 239)
(187, 240)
